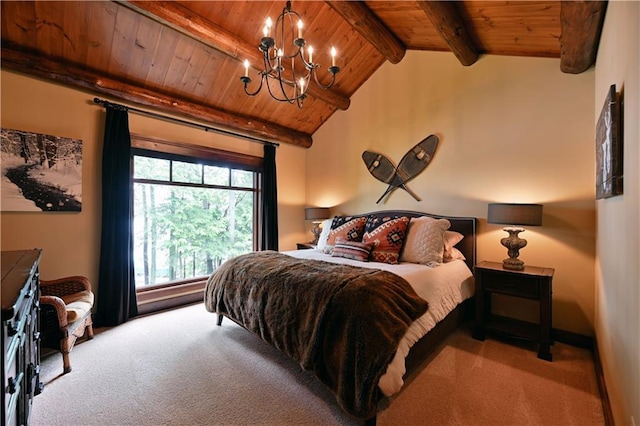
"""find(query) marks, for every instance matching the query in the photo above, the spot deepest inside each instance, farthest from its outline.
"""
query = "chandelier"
(286, 71)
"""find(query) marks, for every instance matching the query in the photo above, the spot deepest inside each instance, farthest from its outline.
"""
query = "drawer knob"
(12, 330)
(13, 385)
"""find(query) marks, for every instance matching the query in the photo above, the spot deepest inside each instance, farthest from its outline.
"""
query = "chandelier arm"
(247, 80)
(285, 98)
(333, 78)
(281, 82)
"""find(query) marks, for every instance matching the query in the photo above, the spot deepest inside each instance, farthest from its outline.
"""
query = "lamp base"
(316, 230)
(513, 264)
(513, 244)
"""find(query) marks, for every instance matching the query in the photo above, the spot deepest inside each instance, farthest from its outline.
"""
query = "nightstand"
(305, 246)
(531, 283)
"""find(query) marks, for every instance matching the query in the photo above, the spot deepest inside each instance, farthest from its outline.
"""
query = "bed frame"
(427, 344)
(424, 347)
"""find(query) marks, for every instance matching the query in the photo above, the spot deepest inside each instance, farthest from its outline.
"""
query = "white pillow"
(455, 254)
(451, 238)
(425, 240)
(324, 235)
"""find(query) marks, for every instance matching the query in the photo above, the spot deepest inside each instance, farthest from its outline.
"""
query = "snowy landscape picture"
(40, 172)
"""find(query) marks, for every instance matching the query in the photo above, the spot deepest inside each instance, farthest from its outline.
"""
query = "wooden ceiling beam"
(445, 17)
(31, 63)
(363, 20)
(580, 25)
(181, 19)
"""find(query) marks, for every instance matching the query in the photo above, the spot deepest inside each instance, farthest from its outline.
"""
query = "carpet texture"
(179, 368)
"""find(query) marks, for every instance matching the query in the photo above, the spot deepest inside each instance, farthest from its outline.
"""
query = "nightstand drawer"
(512, 285)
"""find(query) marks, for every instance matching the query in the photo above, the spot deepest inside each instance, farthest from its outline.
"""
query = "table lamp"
(514, 215)
(317, 215)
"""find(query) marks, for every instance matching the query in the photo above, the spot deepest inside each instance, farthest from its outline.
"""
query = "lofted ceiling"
(185, 57)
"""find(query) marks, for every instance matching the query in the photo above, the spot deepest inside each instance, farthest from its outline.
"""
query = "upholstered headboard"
(464, 225)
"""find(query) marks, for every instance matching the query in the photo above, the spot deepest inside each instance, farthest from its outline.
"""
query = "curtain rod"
(184, 122)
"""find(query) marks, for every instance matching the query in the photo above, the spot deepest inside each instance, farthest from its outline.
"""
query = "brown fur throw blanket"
(341, 322)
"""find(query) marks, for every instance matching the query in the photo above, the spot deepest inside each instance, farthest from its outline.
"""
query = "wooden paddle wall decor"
(413, 162)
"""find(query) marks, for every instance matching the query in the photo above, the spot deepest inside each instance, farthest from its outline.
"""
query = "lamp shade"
(515, 214)
(316, 213)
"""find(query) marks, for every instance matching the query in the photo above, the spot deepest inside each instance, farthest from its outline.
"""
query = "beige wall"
(617, 318)
(71, 241)
(510, 129)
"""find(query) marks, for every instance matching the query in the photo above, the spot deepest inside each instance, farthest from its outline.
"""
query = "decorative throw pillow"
(425, 240)
(451, 238)
(387, 234)
(352, 249)
(324, 235)
(349, 228)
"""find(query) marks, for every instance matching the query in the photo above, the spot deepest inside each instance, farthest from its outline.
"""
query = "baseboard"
(573, 339)
(582, 341)
(602, 387)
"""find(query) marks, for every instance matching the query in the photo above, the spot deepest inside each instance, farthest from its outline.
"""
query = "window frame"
(181, 292)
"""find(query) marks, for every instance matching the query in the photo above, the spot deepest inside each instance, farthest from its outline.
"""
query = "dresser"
(20, 334)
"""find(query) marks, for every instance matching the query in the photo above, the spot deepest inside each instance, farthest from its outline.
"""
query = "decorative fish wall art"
(411, 165)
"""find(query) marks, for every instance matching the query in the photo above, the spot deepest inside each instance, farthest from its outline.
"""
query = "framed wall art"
(609, 147)
(40, 172)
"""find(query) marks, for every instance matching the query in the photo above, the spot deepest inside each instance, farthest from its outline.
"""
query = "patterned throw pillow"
(352, 250)
(387, 234)
(349, 228)
(425, 240)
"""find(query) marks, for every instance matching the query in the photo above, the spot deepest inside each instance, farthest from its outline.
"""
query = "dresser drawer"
(512, 285)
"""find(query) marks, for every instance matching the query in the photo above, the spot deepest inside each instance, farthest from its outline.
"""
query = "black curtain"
(116, 286)
(269, 239)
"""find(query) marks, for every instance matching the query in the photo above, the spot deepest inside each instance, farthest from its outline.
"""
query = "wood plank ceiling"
(185, 57)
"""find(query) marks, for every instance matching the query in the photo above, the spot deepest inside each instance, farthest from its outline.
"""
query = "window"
(192, 212)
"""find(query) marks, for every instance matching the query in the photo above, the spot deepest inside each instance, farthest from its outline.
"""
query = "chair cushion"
(78, 304)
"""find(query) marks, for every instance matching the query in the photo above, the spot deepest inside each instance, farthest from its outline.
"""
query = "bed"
(360, 326)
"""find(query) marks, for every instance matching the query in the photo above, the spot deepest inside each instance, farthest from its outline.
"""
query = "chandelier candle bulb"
(310, 49)
(333, 56)
(268, 28)
(299, 29)
(301, 85)
(246, 68)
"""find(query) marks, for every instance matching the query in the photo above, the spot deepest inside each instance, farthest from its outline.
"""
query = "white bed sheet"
(444, 287)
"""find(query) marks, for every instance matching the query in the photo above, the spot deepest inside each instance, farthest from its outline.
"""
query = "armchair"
(65, 314)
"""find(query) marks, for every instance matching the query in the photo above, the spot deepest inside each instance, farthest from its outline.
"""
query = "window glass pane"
(185, 232)
(150, 168)
(216, 175)
(186, 172)
(241, 178)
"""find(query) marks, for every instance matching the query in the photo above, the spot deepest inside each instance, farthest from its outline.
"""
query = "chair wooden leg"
(66, 363)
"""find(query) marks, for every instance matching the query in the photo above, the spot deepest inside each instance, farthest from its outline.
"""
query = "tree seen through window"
(189, 218)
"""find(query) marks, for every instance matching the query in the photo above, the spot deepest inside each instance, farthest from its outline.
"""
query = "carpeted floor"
(179, 368)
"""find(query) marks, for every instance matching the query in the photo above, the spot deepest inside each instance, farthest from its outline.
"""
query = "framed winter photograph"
(40, 172)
